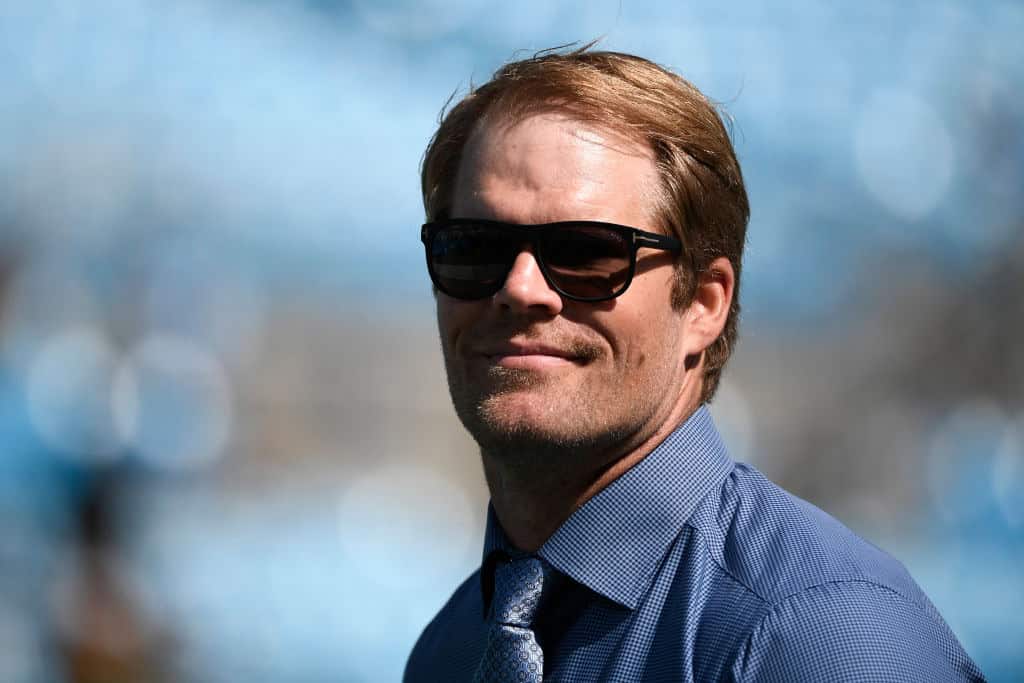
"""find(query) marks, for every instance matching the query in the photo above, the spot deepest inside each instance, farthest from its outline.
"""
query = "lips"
(527, 349)
(532, 354)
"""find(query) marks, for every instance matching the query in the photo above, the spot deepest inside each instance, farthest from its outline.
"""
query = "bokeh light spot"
(1008, 474)
(173, 403)
(962, 457)
(904, 153)
(69, 394)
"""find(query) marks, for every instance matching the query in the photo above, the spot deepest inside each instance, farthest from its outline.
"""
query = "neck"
(532, 496)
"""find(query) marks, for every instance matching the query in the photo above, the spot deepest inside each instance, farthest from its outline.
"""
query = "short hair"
(700, 199)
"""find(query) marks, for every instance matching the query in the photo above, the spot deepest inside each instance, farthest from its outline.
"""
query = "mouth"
(531, 356)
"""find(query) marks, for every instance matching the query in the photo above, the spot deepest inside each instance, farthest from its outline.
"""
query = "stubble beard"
(572, 432)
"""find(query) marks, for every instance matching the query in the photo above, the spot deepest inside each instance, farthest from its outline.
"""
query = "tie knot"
(518, 585)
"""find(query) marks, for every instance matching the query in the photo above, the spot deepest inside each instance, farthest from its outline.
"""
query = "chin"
(535, 427)
(524, 413)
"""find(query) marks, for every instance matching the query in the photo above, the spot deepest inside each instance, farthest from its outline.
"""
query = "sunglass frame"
(534, 234)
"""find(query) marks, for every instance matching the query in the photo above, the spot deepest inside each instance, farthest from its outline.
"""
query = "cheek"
(447, 325)
(628, 338)
(453, 317)
(647, 343)
(643, 356)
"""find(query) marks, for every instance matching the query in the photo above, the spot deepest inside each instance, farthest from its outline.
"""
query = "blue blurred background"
(227, 448)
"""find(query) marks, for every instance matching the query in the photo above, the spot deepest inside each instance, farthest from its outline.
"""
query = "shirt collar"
(614, 543)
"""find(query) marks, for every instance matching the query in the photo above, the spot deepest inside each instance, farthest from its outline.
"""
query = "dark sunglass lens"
(471, 261)
(589, 262)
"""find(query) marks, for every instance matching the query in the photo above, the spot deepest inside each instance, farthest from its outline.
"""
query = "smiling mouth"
(531, 361)
(532, 356)
(531, 352)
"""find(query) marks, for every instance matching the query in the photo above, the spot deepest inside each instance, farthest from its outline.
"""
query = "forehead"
(549, 166)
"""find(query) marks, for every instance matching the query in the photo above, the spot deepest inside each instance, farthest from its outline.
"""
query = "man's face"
(528, 370)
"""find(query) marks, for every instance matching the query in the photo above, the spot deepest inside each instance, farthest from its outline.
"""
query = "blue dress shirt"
(690, 567)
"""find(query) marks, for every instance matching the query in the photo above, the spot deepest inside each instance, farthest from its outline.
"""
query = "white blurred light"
(961, 459)
(416, 19)
(69, 394)
(733, 417)
(904, 153)
(1008, 474)
(173, 403)
(395, 513)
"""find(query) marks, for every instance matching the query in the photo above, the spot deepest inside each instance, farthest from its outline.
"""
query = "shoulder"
(778, 545)
(852, 630)
(454, 638)
(834, 606)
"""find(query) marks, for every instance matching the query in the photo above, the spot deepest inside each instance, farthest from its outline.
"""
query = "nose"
(526, 289)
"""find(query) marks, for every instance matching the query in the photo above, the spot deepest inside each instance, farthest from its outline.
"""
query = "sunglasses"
(469, 258)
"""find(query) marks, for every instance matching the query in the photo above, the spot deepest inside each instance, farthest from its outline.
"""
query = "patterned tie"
(512, 653)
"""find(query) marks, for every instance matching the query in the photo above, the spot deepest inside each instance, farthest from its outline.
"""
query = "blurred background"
(226, 447)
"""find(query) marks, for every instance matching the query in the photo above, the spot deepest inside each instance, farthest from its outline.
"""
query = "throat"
(535, 490)
(533, 499)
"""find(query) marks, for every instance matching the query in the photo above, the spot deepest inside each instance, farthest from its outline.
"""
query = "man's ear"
(709, 309)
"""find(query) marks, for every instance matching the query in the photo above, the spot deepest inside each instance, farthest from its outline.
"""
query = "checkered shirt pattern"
(690, 567)
(512, 654)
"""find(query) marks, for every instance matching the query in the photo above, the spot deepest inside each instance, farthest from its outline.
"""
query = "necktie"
(512, 653)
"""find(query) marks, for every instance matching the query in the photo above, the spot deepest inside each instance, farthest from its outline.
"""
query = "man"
(586, 225)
